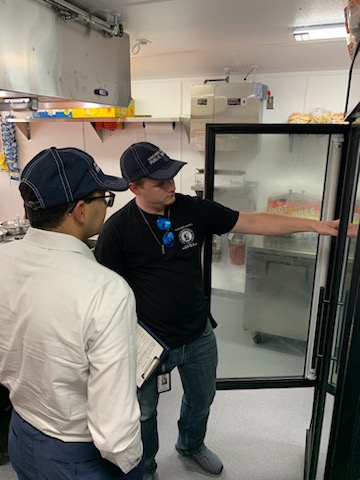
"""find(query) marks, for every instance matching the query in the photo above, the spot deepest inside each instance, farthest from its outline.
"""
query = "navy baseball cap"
(58, 176)
(143, 159)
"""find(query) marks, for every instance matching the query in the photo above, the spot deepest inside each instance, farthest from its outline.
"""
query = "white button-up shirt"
(68, 344)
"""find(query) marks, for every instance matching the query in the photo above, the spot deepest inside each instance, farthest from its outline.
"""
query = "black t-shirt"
(168, 287)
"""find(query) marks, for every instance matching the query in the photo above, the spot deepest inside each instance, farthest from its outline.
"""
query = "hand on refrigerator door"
(326, 228)
(353, 230)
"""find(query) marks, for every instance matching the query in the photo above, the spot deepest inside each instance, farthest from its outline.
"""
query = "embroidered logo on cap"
(96, 166)
(155, 157)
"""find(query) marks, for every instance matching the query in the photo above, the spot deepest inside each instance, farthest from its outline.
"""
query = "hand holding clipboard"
(150, 352)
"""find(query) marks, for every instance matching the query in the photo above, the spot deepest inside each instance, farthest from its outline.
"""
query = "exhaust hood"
(52, 60)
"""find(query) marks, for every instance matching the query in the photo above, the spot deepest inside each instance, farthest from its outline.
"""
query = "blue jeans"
(197, 364)
(36, 456)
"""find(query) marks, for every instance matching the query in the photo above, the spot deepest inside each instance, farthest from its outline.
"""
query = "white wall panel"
(167, 98)
(326, 92)
(160, 98)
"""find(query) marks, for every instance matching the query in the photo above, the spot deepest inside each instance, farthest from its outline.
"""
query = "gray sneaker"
(206, 459)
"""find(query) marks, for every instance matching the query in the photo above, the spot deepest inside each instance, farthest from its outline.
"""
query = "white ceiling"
(204, 37)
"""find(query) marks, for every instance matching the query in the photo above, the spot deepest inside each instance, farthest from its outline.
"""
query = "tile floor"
(258, 434)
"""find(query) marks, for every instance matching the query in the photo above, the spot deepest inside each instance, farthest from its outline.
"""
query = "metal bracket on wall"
(186, 123)
(99, 133)
(24, 129)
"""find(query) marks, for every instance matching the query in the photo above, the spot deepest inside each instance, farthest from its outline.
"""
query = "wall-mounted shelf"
(24, 124)
(245, 189)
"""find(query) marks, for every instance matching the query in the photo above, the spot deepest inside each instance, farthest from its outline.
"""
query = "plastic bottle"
(237, 249)
(216, 248)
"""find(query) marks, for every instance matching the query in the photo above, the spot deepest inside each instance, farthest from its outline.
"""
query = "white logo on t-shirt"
(186, 235)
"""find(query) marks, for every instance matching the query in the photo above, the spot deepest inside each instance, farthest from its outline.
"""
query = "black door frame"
(329, 304)
(343, 456)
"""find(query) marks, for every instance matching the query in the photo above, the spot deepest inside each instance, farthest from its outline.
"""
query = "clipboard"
(150, 352)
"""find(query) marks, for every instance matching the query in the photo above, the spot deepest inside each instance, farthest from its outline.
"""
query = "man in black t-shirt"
(155, 243)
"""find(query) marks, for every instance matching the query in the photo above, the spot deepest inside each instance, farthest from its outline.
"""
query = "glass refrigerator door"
(265, 290)
(338, 388)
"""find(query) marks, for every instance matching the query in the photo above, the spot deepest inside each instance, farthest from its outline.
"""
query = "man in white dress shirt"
(68, 331)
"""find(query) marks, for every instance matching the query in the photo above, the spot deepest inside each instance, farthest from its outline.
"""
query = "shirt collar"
(56, 241)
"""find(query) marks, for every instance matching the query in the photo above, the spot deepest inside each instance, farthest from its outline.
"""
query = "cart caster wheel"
(257, 337)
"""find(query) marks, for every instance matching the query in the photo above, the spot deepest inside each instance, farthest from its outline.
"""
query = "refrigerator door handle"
(321, 327)
(339, 330)
(318, 352)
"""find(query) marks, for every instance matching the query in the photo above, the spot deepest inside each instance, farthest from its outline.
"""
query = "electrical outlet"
(270, 103)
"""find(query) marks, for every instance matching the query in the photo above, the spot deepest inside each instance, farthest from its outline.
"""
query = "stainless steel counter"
(301, 245)
(278, 287)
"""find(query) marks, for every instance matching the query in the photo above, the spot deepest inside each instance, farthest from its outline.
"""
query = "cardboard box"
(131, 109)
(105, 112)
(102, 112)
(109, 126)
(53, 113)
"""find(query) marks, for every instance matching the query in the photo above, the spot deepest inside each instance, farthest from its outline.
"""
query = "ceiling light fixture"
(19, 103)
(320, 32)
(17, 100)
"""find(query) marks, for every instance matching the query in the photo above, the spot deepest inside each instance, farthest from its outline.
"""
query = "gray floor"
(259, 434)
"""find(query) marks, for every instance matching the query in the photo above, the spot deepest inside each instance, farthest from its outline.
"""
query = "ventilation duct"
(46, 56)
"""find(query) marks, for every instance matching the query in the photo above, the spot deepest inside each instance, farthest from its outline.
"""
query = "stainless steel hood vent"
(45, 58)
(19, 103)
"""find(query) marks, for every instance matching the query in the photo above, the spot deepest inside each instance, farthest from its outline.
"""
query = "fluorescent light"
(320, 32)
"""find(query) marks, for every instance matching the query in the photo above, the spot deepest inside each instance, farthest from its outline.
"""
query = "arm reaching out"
(274, 224)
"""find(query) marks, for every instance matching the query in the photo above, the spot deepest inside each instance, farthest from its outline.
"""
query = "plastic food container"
(3, 234)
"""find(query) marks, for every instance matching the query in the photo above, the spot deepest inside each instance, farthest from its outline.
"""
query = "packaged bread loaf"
(298, 117)
(320, 115)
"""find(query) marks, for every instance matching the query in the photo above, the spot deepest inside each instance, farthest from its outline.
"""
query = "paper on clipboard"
(150, 351)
